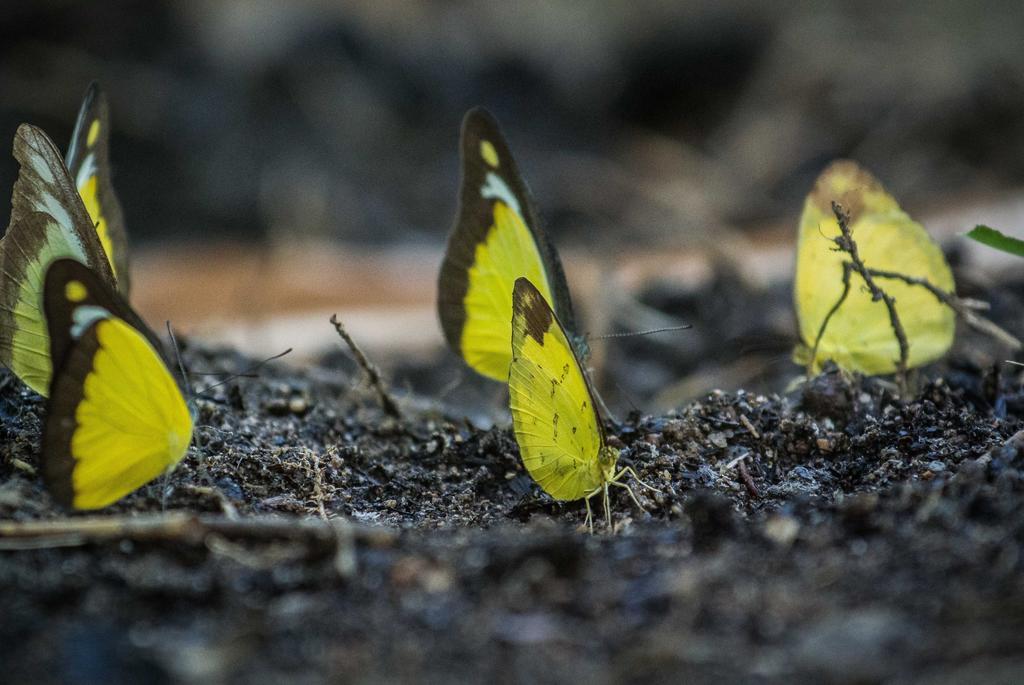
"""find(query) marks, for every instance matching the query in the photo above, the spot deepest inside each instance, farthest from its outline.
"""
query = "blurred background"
(280, 161)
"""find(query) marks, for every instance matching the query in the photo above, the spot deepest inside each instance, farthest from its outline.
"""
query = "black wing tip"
(529, 305)
(480, 123)
(27, 130)
(37, 139)
(479, 113)
(94, 105)
(92, 93)
(524, 288)
(526, 297)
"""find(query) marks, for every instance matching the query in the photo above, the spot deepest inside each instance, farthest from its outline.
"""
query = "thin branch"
(372, 372)
(847, 245)
(964, 308)
(750, 427)
(318, 485)
(748, 482)
(181, 528)
(828, 317)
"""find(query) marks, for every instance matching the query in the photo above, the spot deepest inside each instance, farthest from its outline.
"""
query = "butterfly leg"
(629, 470)
(632, 495)
(589, 523)
(608, 509)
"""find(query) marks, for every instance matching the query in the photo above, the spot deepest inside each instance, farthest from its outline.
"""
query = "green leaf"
(993, 238)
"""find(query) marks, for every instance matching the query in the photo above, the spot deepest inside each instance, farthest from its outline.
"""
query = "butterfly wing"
(859, 336)
(32, 242)
(497, 238)
(97, 296)
(116, 418)
(88, 160)
(48, 221)
(560, 438)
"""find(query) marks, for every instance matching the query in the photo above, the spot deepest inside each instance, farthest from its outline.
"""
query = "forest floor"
(831, 533)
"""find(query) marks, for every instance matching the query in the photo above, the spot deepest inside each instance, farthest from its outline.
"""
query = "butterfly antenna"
(634, 334)
(248, 373)
(181, 364)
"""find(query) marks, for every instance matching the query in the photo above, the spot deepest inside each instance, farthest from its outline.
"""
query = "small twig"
(213, 492)
(847, 245)
(23, 466)
(964, 308)
(371, 371)
(740, 464)
(750, 427)
(748, 482)
(318, 485)
(179, 528)
(828, 317)
(731, 464)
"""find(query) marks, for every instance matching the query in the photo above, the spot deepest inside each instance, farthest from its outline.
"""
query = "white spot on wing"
(496, 189)
(40, 166)
(87, 170)
(86, 316)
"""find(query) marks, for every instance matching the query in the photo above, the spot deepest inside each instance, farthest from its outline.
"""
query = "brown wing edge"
(26, 233)
(32, 138)
(474, 219)
(93, 102)
(66, 393)
(94, 106)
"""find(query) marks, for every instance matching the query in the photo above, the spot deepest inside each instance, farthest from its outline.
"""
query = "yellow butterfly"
(116, 418)
(859, 336)
(88, 160)
(48, 221)
(561, 439)
(497, 238)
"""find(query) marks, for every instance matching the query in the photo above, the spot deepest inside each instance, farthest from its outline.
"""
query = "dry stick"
(179, 528)
(828, 317)
(961, 307)
(748, 482)
(372, 373)
(847, 245)
(318, 485)
(750, 427)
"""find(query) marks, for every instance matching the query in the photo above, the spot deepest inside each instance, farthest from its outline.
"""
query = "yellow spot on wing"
(75, 291)
(489, 154)
(90, 193)
(94, 133)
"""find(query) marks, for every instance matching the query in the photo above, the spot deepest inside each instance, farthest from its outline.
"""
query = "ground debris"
(324, 543)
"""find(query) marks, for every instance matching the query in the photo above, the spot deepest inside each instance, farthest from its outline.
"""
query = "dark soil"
(831, 534)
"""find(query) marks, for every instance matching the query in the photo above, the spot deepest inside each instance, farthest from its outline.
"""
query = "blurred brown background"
(281, 160)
